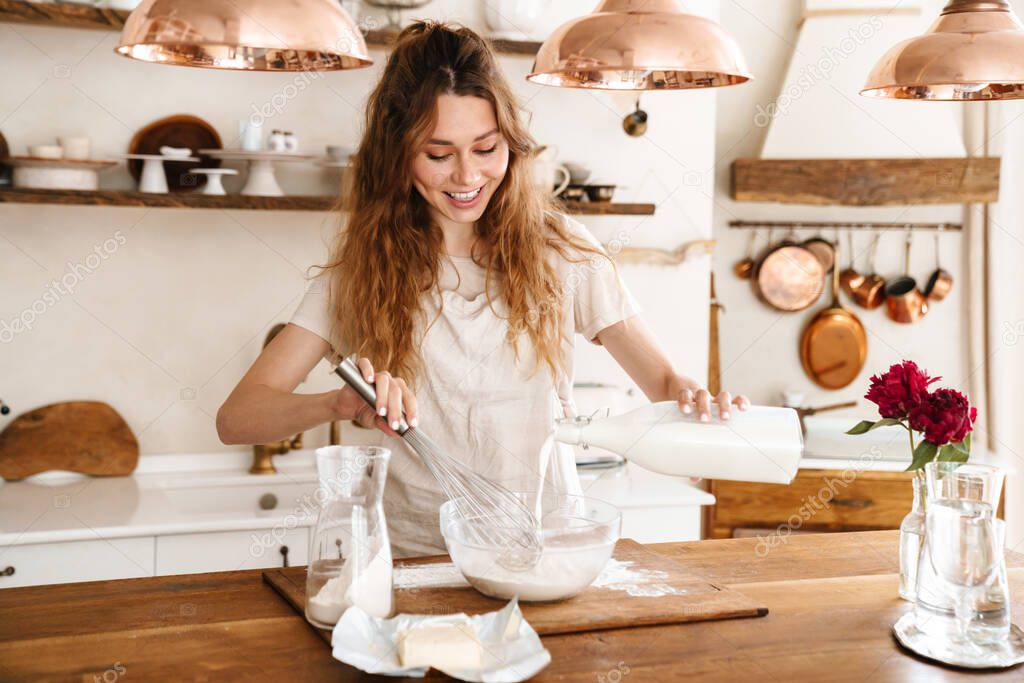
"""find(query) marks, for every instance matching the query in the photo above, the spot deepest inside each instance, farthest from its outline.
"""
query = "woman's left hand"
(691, 397)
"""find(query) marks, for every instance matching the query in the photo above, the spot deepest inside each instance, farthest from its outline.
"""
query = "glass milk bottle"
(350, 552)
(761, 444)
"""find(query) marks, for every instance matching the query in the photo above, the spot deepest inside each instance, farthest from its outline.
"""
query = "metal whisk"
(499, 517)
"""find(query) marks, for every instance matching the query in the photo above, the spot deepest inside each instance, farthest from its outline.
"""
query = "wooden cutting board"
(677, 596)
(89, 437)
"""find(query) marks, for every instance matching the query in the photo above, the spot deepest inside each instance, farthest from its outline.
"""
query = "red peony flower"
(900, 389)
(945, 416)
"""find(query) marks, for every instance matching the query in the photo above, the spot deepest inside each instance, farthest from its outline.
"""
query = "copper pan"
(904, 302)
(870, 293)
(941, 281)
(834, 345)
(789, 277)
(745, 268)
(849, 278)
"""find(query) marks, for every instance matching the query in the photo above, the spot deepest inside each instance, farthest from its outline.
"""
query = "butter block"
(449, 643)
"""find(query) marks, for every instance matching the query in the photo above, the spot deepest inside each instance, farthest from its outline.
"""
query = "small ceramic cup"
(75, 146)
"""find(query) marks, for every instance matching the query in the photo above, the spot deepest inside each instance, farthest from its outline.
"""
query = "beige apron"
(480, 404)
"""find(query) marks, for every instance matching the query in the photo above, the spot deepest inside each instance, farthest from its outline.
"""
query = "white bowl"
(578, 533)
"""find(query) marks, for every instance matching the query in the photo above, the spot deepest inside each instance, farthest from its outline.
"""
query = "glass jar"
(911, 538)
(350, 552)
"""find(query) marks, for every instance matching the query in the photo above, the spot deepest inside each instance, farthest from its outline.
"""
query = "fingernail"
(395, 424)
(725, 414)
(687, 409)
(369, 378)
(704, 417)
(382, 411)
(414, 422)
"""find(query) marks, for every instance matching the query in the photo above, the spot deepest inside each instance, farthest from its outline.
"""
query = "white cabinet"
(230, 550)
(41, 563)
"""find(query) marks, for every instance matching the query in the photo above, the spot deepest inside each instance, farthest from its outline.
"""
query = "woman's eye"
(488, 151)
(437, 157)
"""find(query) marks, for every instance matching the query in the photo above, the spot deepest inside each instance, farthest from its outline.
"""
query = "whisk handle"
(349, 372)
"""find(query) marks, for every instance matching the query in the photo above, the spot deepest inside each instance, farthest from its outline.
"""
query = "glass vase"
(911, 538)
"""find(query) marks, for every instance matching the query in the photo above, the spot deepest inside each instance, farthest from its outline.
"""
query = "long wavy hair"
(389, 254)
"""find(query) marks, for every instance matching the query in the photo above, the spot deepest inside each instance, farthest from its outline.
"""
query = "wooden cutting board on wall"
(89, 437)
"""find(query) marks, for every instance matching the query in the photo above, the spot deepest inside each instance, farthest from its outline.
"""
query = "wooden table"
(832, 598)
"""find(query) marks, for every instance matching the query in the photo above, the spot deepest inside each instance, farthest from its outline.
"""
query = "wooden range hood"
(867, 182)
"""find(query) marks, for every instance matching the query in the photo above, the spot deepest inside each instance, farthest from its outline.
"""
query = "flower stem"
(912, 447)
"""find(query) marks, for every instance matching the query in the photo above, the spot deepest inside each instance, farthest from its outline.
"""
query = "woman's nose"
(467, 174)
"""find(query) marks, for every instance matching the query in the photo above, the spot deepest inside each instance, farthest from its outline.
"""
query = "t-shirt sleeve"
(600, 297)
(313, 313)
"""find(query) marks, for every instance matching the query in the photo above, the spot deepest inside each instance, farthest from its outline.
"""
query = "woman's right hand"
(395, 400)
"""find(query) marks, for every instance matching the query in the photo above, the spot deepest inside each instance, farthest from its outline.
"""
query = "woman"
(459, 288)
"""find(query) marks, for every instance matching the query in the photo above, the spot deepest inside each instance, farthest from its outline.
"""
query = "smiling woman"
(460, 288)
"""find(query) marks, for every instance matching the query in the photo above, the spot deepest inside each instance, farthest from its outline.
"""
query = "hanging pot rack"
(798, 225)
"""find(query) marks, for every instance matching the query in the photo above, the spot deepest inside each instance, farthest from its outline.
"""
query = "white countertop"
(175, 494)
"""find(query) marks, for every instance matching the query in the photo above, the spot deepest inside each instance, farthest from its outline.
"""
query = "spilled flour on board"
(642, 583)
(433, 575)
(617, 575)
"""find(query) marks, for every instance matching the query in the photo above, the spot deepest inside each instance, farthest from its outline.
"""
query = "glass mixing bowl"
(578, 535)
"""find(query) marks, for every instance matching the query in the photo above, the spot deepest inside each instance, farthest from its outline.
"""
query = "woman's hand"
(395, 401)
(691, 396)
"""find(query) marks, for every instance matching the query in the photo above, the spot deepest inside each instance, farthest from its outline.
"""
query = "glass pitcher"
(973, 490)
(349, 552)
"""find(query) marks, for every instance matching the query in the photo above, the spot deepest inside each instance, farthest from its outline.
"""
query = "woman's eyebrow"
(449, 143)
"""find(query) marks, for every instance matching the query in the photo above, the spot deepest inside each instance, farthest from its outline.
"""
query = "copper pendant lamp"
(975, 51)
(640, 45)
(254, 35)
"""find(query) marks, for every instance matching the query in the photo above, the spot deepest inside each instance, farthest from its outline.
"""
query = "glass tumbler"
(956, 491)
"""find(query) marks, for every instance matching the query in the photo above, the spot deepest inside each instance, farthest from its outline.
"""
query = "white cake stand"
(153, 178)
(213, 178)
(261, 181)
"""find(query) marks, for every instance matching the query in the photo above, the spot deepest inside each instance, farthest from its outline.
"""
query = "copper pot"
(744, 269)
(849, 278)
(941, 281)
(870, 293)
(823, 250)
(904, 302)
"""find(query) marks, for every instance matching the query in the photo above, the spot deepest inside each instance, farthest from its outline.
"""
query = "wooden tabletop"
(832, 598)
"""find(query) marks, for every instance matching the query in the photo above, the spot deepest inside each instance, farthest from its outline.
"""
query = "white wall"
(760, 345)
(166, 323)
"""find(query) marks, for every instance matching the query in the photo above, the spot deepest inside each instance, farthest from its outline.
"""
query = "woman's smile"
(465, 200)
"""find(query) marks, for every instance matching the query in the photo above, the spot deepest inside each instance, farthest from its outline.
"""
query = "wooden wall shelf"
(71, 15)
(866, 182)
(237, 201)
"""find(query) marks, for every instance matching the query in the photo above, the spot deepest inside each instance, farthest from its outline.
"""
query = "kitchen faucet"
(263, 454)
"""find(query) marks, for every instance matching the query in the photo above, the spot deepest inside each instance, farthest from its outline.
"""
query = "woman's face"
(464, 161)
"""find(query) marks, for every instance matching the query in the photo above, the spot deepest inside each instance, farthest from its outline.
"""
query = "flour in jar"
(370, 589)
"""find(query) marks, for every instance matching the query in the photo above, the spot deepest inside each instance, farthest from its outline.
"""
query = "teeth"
(464, 196)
